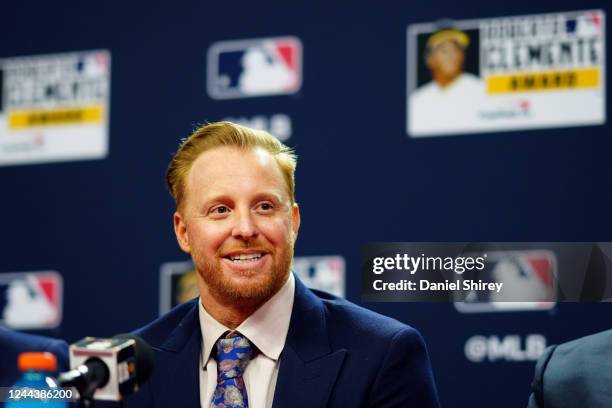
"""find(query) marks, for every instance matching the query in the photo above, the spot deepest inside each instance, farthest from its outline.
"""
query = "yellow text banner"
(544, 81)
(61, 116)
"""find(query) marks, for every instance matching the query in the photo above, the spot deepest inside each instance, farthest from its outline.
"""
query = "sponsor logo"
(178, 280)
(525, 274)
(31, 300)
(54, 107)
(254, 67)
(512, 347)
(506, 73)
(326, 273)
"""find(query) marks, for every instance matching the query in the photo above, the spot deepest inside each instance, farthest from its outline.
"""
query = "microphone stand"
(85, 401)
(86, 379)
(86, 393)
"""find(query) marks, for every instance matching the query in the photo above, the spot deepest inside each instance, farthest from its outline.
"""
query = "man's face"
(446, 60)
(238, 224)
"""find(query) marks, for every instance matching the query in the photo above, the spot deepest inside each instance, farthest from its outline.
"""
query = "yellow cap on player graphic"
(439, 37)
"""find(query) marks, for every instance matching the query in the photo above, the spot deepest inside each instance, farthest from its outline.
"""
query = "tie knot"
(233, 354)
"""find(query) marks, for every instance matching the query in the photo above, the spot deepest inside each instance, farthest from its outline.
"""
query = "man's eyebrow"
(216, 198)
(268, 195)
(226, 198)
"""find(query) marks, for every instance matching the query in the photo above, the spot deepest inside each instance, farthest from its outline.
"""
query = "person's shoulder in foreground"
(575, 374)
(337, 354)
(13, 343)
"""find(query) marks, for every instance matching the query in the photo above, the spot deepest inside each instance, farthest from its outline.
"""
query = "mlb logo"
(326, 273)
(31, 300)
(256, 67)
(587, 24)
(94, 64)
(529, 282)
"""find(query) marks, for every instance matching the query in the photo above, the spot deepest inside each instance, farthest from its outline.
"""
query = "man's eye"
(220, 210)
(266, 206)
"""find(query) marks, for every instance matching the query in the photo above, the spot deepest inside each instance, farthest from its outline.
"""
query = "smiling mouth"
(244, 258)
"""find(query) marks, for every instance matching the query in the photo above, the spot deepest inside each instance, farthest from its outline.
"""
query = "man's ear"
(296, 220)
(180, 230)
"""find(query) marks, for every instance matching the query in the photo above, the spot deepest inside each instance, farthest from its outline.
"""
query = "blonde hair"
(219, 134)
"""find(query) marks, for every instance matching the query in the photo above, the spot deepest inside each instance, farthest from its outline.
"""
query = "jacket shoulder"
(346, 317)
(13, 343)
(582, 358)
(575, 373)
(597, 344)
(157, 331)
(386, 359)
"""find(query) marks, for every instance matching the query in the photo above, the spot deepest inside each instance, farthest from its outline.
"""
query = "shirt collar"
(266, 328)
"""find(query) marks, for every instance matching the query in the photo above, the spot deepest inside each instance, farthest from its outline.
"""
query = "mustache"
(255, 246)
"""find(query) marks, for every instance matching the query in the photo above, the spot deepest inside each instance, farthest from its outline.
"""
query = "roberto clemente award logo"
(506, 73)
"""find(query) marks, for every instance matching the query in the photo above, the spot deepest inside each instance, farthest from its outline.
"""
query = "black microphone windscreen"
(145, 358)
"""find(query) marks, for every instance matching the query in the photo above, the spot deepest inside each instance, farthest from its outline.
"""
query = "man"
(256, 336)
(13, 343)
(575, 374)
(451, 98)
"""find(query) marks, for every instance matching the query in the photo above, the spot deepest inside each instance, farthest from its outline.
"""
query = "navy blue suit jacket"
(14, 343)
(336, 354)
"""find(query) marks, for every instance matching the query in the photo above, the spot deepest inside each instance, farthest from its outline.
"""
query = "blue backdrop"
(106, 225)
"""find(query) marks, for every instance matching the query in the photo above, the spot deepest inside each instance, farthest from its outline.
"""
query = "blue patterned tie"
(233, 354)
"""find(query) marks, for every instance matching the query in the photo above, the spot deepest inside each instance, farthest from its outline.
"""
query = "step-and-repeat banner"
(94, 101)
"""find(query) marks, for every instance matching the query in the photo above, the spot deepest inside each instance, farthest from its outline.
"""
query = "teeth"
(245, 257)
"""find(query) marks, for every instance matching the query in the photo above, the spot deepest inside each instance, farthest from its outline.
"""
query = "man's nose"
(245, 227)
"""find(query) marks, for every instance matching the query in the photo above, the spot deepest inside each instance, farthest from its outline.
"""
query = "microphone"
(108, 369)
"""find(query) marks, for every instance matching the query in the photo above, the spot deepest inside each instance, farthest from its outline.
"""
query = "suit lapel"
(308, 368)
(306, 384)
(178, 359)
